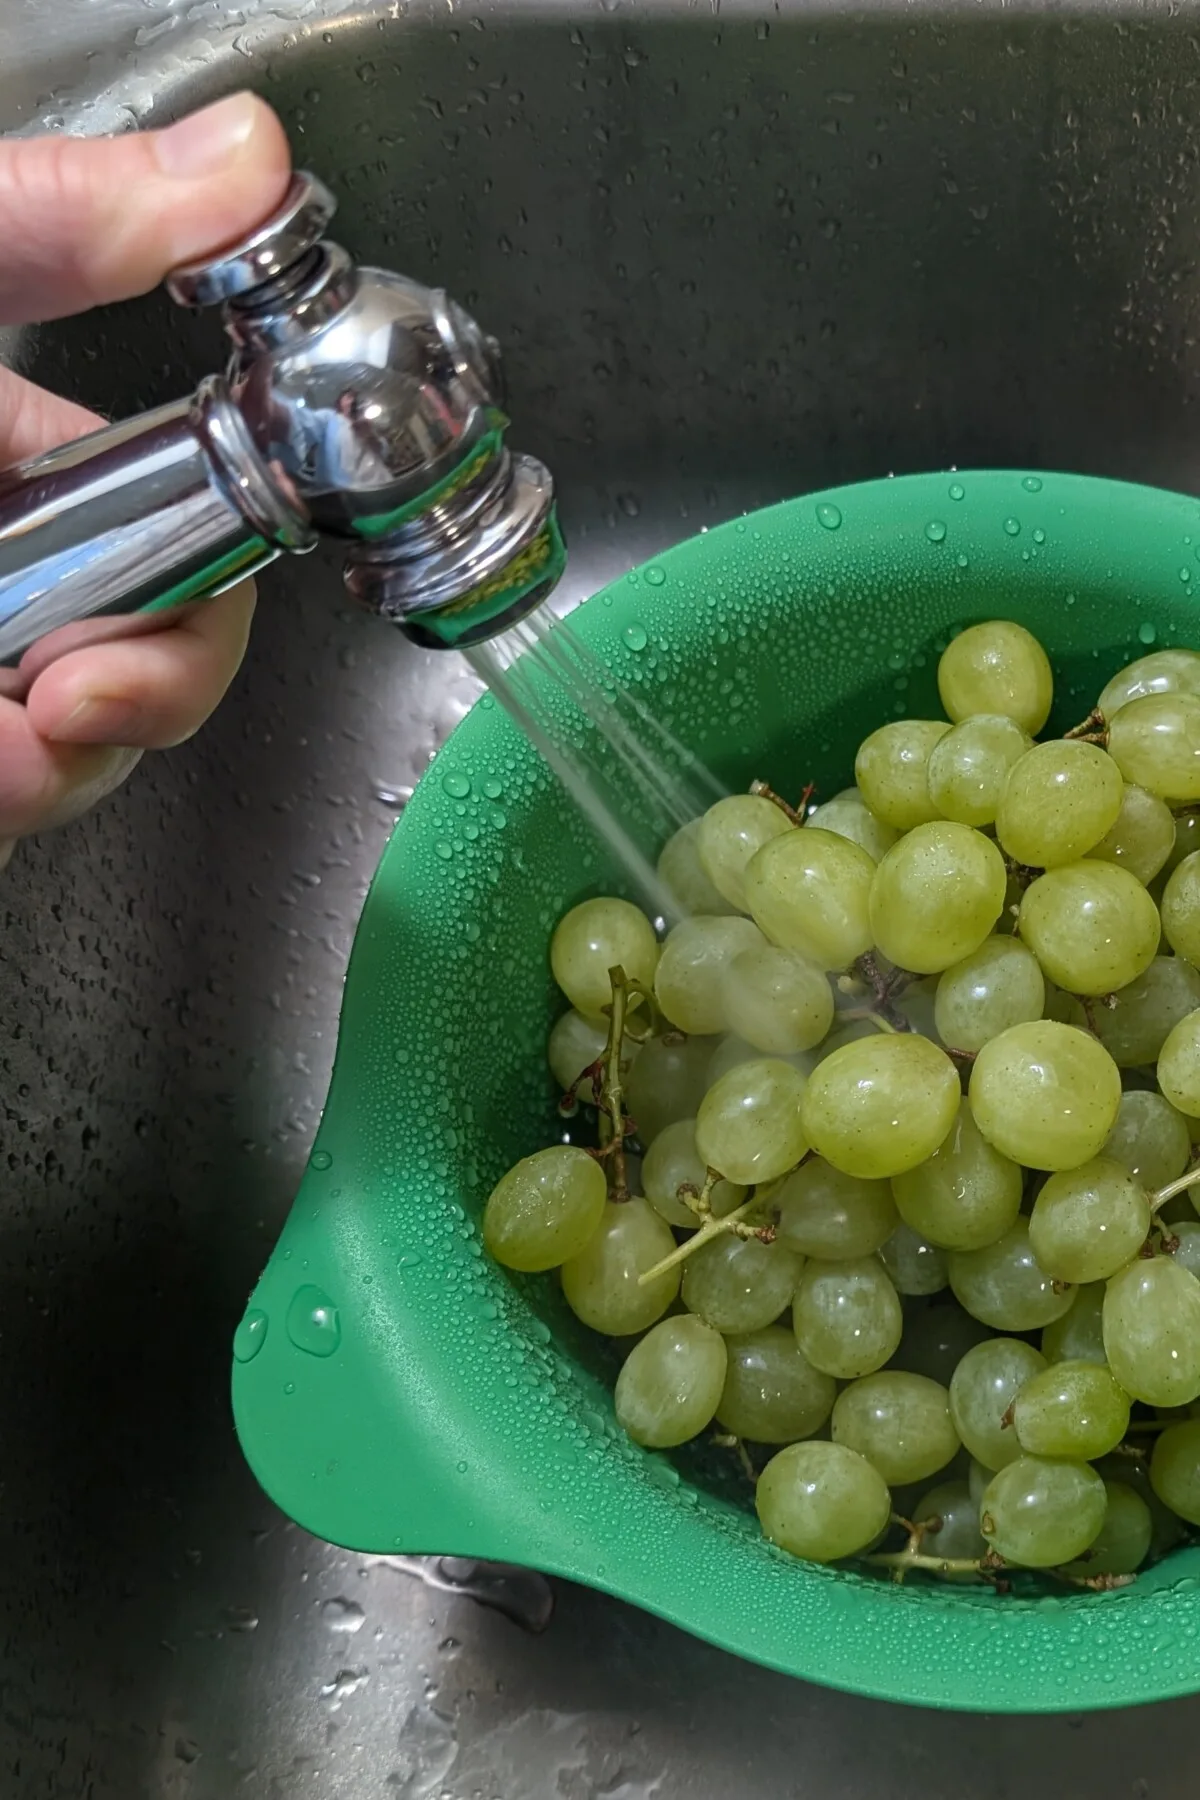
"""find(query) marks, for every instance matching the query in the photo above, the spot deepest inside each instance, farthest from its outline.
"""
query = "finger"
(150, 691)
(31, 420)
(43, 784)
(87, 221)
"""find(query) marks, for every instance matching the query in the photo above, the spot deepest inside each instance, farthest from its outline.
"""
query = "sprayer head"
(375, 403)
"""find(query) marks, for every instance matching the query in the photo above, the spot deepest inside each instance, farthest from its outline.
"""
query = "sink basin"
(732, 254)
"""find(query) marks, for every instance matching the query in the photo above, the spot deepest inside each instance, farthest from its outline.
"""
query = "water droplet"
(1039, 536)
(457, 786)
(493, 788)
(250, 1335)
(444, 850)
(655, 576)
(935, 531)
(1013, 527)
(498, 818)
(342, 1615)
(957, 490)
(312, 1321)
(1032, 484)
(321, 1159)
(828, 516)
(961, 560)
(289, 1387)
(1185, 574)
(1147, 632)
(635, 636)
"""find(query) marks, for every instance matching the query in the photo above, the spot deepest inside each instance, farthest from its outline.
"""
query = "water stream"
(628, 774)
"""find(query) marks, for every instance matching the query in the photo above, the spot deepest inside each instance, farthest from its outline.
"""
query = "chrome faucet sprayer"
(356, 405)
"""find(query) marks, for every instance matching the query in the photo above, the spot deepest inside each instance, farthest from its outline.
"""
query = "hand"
(84, 223)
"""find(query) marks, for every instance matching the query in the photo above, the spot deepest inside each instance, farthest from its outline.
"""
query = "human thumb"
(85, 221)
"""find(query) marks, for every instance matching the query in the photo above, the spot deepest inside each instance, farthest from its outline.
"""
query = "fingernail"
(98, 720)
(206, 141)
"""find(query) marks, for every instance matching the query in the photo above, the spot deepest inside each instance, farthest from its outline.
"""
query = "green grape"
(1152, 1331)
(1087, 1222)
(1093, 927)
(821, 1501)
(1178, 1066)
(849, 816)
(684, 876)
(1071, 1409)
(892, 771)
(836, 1217)
(1038, 1513)
(1181, 908)
(667, 1082)
(882, 1105)
(1059, 800)
(1162, 672)
(809, 891)
(545, 1209)
(740, 1284)
(998, 985)
(670, 1383)
(1134, 1028)
(997, 667)
(979, 1479)
(601, 1282)
(1123, 1542)
(1186, 1233)
(966, 1195)
(776, 1000)
(900, 1423)
(936, 1338)
(957, 1536)
(1005, 1286)
(1150, 1139)
(672, 1160)
(750, 1122)
(916, 1266)
(1187, 840)
(1175, 1469)
(982, 1388)
(772, 1393)
(1046, 1095)
(687, 984)
(730, 834)
(595, 937)
(732, 1051)
(969, 767)
(1143, 836)
(1078, 1336)
(1155, 742)
(847, 1316)
(936, 895)
(1168, 1530)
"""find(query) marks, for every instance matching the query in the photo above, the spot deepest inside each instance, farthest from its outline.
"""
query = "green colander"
(396, 1391)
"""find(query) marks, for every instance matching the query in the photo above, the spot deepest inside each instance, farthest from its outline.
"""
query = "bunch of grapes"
(892, 1187)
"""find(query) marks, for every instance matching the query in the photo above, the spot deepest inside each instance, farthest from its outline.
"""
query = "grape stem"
(614, 1125)
(724, 1441)
(739, 1222)
(1188, 1179)
(886, 989)
(872, 1018)
(1092, 730)
(795, 813)
(1096, 1584)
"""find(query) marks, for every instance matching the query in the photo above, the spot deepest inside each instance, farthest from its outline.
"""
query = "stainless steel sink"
(732, 252)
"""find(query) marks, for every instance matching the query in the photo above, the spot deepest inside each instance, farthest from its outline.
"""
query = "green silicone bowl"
(396, 1391)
